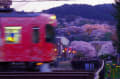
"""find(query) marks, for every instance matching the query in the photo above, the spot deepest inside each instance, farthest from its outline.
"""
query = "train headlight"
(53, 17)
(55, 49)
(38, 64)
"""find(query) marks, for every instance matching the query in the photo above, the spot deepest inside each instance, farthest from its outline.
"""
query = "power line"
(36, 0)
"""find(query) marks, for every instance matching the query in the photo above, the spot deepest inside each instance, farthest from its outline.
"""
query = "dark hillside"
(99, 12)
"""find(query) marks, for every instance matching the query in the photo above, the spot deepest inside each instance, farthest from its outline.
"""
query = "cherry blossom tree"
(98, 31)
(84, 48)
(107, 49)
(73, 33)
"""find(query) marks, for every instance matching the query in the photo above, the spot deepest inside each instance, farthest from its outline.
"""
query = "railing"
(87, 64)
(97, 74)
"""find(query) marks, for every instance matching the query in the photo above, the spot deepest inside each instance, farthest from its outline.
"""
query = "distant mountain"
(103, 12)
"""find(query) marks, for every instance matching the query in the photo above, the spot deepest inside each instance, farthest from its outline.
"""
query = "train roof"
(13, 13)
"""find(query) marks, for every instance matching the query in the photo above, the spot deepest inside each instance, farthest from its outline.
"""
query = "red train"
(26, 37)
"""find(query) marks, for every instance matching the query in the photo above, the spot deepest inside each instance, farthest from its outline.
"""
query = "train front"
(47, 44)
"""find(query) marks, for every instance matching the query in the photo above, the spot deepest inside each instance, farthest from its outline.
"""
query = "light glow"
(74, 51)
(69, 51)
(39, 64)
(13, 27)
(55, 49)
(53, 17)
(63, 51)
(12, 34)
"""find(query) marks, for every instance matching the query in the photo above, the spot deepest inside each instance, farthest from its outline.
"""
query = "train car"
(27, 37)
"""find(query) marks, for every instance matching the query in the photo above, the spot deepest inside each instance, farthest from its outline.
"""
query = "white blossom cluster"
(84, 48)
(89, 48)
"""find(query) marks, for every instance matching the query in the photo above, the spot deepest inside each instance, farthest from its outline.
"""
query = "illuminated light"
(74, 51)
(55, 49)
(39, 63)
(70, 48)
(10, 39)
(15, 31)
(13, 27)
(63, 51)
(12, 34)
(69, 51)
(114, 64)
(107, 64)
(53, 17)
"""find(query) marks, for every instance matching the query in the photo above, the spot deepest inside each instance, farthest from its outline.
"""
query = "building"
(5, 3)
(61, 43)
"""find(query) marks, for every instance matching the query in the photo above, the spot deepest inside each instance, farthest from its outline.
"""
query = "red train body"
(27, 37)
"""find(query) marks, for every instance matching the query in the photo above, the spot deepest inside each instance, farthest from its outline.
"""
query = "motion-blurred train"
(27, 37)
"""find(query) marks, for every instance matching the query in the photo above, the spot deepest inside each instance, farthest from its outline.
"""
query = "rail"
(48, 75)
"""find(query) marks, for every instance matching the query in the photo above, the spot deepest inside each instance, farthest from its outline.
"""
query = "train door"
(36, 40)
(43, 41)
(50, 43)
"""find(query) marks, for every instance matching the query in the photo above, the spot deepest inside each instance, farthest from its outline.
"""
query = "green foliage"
(112, 71)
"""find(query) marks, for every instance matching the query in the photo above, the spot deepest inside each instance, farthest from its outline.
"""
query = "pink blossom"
(84, 47)
(107, 48)
(100, 27)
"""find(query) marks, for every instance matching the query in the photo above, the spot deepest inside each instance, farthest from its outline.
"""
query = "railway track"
(48, 75)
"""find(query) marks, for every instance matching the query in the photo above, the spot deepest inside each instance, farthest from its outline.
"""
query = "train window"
(36, 34)
(13, 35)
(50, 33)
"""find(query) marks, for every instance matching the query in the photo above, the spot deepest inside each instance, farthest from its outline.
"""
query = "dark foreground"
(51, 75)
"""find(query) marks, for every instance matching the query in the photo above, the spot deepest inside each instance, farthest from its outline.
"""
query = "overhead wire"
(37, 0)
